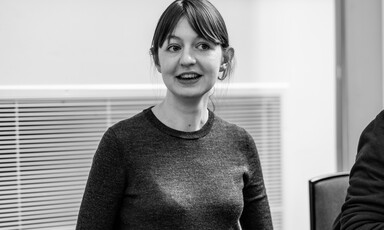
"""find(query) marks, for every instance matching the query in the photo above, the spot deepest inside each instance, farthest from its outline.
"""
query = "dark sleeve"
(256, 213)
(104, 190)
(364, 205)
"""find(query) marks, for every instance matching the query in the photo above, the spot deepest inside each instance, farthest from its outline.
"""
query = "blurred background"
(308, 80)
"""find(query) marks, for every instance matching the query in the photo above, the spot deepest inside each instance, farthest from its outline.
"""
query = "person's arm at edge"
(364, 206)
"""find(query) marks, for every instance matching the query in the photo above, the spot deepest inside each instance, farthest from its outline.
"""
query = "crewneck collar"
(177, 133)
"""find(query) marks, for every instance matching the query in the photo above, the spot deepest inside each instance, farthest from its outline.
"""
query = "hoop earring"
(222, 76)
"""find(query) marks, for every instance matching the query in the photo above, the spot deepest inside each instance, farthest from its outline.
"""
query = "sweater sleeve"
(364, 206)
(105, 186)
(256, 213)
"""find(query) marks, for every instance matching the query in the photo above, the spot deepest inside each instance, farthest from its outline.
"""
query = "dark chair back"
(326, 196)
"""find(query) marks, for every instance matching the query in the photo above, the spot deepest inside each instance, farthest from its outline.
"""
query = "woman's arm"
(256, 213)
(104, 190)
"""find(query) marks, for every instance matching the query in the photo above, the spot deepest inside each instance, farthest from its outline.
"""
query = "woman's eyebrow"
(173, 37)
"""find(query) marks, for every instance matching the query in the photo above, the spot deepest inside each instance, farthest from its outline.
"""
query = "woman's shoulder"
(224, 123)
(231, 128)
(133, 124)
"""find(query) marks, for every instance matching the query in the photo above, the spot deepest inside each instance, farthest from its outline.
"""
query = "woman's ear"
(228, 55)
(226, 61)
(226, 66)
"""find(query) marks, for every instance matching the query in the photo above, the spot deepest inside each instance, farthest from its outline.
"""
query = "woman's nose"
(187, 58)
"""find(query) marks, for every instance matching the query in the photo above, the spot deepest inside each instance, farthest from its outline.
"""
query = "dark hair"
(204, 19)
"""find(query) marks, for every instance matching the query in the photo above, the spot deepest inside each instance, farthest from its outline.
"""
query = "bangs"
(208, 26)
(167, 24)
(205, 20)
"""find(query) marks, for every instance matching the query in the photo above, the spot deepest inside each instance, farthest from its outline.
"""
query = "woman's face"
(188, 63)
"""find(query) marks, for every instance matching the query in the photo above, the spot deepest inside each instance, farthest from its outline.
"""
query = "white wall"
(107, 42)
(295, 43)
(361, 72)
(76, 42)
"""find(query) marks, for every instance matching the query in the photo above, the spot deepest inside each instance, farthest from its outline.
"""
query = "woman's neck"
(187, 115)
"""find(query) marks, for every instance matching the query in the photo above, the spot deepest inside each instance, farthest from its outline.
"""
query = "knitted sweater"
(146, 175)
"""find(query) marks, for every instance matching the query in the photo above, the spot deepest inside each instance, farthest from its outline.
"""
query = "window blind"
(47, 146)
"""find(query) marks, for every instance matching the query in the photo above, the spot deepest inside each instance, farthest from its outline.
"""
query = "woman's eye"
(203, 46)
(173, 48)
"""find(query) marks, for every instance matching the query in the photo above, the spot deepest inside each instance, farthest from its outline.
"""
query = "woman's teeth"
(188, 76)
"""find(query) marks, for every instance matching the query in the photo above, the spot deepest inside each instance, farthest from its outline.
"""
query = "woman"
(176, 165)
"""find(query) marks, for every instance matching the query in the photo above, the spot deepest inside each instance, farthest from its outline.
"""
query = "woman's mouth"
(188, 76)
